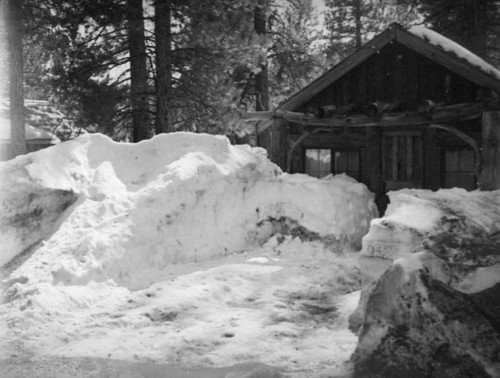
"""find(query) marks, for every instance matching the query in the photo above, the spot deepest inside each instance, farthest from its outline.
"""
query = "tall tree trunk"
(357, 15)
(138, 71)
(15, 26)
(261, 79)
(163, 65)
(476, 25)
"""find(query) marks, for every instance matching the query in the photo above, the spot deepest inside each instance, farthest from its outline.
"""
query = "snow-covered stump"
(431, 271)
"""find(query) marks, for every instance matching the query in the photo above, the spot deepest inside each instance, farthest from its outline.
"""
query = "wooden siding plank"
(418, 161)
(361, 95)
(432, 168)
(402, 158)
(410, 83)
(409, 157)
(397, 80)
(394, 158)
(378, 82)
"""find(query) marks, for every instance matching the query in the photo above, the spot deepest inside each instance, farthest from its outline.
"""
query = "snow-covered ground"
(180, 250)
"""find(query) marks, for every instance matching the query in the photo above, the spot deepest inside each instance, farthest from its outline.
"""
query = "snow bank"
(430, 273)
(102, 210)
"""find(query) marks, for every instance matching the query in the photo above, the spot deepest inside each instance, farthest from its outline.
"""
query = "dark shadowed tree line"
(133, 69)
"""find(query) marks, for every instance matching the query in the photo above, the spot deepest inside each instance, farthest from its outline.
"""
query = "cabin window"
(318, 162)
(402, 160)
(459, 169)
(346, 162)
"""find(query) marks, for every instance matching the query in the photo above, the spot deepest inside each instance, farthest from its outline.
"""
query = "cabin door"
(402, 160)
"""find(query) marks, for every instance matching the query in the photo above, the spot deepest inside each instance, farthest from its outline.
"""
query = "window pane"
(451, 161)
(318, 162)
(347, 162)
(353, 161)
(459, 169)
(466, 161)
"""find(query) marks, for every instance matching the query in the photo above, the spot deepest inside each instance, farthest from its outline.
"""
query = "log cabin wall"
(276, 141)
(395, 74)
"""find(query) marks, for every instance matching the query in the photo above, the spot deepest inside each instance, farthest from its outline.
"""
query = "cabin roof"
(423, 41)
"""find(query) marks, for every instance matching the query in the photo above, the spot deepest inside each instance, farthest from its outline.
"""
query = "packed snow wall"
(431, 282)
(96, 210)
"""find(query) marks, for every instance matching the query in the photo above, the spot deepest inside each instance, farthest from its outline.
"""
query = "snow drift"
(179, 250)
(98, 210)
(431, 282)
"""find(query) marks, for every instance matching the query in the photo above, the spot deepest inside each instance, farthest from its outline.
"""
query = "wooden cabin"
(410, 109)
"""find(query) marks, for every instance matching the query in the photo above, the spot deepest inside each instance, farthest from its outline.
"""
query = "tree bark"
(163, 37)
(138, 71)
(15, 30)
(357, 15)
(475, 15)
(261, 79)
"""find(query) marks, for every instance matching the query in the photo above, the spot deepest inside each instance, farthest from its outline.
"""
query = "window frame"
(333, 151)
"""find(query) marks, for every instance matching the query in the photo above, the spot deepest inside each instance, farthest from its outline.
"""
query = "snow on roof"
(449, 46)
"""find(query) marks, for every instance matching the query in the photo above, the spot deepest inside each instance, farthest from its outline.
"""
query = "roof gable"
(443, 52)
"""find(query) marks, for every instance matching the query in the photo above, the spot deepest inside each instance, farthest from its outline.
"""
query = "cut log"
(328, 111)
(379, 107)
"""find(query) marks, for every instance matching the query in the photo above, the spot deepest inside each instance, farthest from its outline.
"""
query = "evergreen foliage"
(351, 23)
(472, 23)
(205, 60)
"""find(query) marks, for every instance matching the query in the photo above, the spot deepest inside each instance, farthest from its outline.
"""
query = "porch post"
(432, 169)
(490, 174)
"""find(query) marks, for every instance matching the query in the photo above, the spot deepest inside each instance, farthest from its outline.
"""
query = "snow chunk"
(449, 46)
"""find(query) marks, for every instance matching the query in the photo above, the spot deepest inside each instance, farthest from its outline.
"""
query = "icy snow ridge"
(136, 208)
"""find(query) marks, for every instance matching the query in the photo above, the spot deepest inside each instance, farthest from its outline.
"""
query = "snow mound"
(96, 210)
(430, 275)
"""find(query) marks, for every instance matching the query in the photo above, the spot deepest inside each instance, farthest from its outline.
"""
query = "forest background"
(135, 68)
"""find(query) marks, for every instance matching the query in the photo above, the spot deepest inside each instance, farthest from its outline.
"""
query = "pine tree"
(139, 97)
(472, 23)
(163, 42)
(295, 58)
(15, 31)
(351, 23)
(261, 78)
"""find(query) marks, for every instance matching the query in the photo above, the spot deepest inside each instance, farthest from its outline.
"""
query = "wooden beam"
(438, 115)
